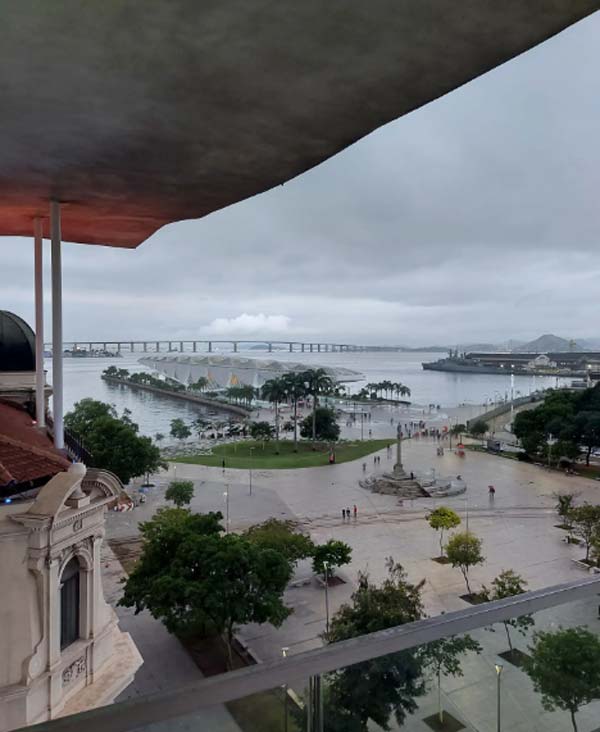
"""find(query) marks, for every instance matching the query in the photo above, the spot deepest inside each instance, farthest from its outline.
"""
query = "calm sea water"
(154, 413)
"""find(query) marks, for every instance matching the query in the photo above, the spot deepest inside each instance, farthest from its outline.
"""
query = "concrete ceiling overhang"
(137, 114)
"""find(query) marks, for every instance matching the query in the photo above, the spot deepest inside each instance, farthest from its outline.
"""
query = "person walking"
(355, 510)
(343, 514)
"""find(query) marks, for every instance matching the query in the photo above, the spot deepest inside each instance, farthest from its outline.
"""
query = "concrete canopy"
(136, 114)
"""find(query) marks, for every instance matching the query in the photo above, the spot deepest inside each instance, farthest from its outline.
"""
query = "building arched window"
(69, 604)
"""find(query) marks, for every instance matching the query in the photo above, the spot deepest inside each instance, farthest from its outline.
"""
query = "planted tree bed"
(450, 723)
(256, 454)
(332, 581)
(263, 712)
(440, 560)
(475, 598)
(515, 656)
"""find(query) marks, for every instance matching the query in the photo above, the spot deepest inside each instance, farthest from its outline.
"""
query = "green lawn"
(238, 455)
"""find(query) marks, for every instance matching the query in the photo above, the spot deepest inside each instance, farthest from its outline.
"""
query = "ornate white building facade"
(60, 644)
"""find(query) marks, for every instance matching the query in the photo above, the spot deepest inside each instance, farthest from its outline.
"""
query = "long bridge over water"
(209, 346)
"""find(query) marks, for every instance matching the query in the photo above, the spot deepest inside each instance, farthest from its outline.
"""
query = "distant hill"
(549, 343)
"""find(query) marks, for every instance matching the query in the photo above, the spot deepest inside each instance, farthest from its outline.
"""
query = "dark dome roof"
(17, 343)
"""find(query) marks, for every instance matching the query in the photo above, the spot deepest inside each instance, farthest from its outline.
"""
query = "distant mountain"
(549, 343)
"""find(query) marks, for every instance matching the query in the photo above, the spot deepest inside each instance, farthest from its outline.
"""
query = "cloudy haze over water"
(475, 218)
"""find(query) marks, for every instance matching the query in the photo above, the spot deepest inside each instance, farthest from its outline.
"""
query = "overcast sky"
(474, 218)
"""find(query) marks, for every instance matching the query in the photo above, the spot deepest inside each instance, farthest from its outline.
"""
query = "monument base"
(396, 483)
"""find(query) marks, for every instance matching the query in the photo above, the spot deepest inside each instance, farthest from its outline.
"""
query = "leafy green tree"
(317, 382)
(196, 579)
(443, 519)
(464, 551)
(334, 552)
(81, 420)
(479, 428)
(296, 390)
(179, 429)
(180, 492)
(261, 430)
(275, 391)
(563, 449)
(199, 385)
(565, 669)
(373, 691)
(509, 584)
(99, 427)
(443, 657)
(587, 432)
(159, 437)
(585, 520)
(322, 424)
(565, 503)
(554, 417)
(282, 537)
(110, 371)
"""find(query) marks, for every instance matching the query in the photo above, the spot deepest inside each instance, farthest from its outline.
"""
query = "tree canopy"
(261, 430)
(479, 428)
(196, 579)
(325, 424)
(572, 418)
(565, 668)
(180, 492)
(179, 429)
(282, 537)
(464, 551)
(509, 584)
(113, 441)
(585, 523)
(442, 519)
(334, 552)
(386, 686)
(318, 382)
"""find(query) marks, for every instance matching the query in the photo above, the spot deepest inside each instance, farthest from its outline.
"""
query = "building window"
(69, 604)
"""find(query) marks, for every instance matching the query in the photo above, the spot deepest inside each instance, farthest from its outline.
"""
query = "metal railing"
(73, 445)
(130, 715)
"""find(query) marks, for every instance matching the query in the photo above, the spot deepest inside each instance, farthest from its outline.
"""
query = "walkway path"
(167, 665)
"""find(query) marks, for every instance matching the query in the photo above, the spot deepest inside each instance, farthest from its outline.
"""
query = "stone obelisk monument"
(398, 469)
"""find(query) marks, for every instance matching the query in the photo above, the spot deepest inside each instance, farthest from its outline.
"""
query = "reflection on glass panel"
(538, 673)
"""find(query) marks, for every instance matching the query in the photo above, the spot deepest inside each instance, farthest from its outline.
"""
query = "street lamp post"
(499, 668)
(284, 652)
(550, 442)
(512, 392)
(226, 497)
(250, 469)
(326, 568)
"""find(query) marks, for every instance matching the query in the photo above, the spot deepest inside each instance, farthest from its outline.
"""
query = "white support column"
(57, 334)
(38, 260)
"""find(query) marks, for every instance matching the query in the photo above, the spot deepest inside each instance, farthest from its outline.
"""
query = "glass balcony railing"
(530, 663)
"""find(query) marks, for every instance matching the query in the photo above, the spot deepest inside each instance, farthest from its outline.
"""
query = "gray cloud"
(475, 217)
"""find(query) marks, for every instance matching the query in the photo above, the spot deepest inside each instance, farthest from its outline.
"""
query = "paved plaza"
(517, 529)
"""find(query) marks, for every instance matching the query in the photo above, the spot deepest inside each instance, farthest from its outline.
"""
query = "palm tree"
(317, 382)
(295, 388)
(200, 384)
(275, 391)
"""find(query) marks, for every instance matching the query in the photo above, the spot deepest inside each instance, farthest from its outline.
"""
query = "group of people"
(346, 513)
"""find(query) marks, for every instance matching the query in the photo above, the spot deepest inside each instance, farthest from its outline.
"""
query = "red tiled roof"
(26, 453)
